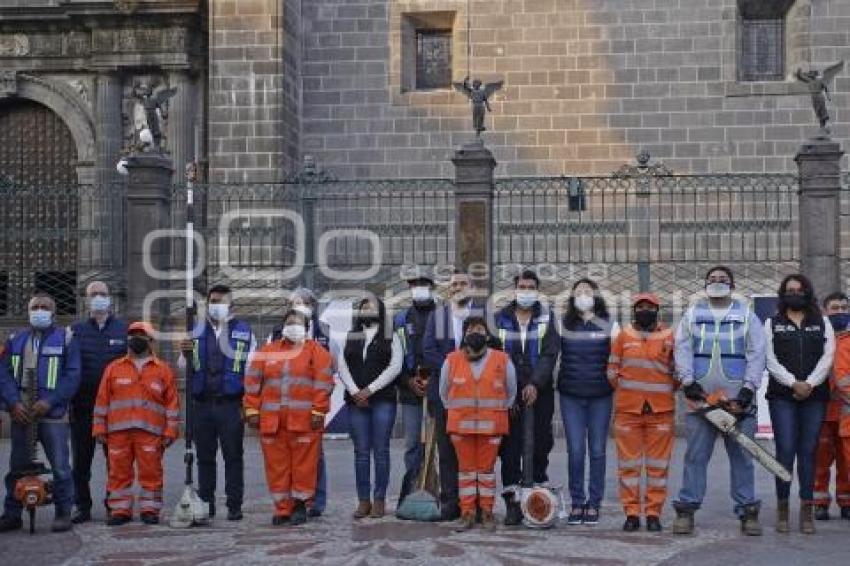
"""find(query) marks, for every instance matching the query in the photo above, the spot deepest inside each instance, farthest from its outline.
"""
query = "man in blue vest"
(48, 354)
(527, 333)
(719, 353)
(410, 324)
(102, 338)
(219, 355)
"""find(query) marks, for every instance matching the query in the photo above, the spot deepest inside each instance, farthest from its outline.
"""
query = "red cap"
(144, 327)
(648, 297)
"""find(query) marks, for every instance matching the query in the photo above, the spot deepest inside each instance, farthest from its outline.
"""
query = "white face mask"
(526, 299)
(718, 290)
(420, 294)
(585, 303)
(100, 303)
(294, 333)
(305, 310)
(218, 311)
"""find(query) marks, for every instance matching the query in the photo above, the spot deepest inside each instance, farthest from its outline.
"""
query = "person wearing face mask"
(219, 353)
(102, 338)
(800, 351)
(287, 395)
(409, 324)
(526, 330)
(137, 416)
(837, 307)
(372, 358)
(443, 335)
(477, 386)
(640, 370)
(719, 353)
(49, 355)
(840, 382)
(586, 396)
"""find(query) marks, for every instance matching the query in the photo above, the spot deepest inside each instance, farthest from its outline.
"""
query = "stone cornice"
(69, 10)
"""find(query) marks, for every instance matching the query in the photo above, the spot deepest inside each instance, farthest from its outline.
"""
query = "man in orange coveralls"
(287, 394)
(640, 369)
(841, 387)
(136, 414)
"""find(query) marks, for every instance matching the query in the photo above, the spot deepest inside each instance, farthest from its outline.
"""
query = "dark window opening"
(433, 59)
(62, 286)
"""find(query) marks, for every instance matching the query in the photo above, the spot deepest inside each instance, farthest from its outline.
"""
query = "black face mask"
(368, 319)
(646, 319)
(137, 344)
(475, 341)
(795, 302)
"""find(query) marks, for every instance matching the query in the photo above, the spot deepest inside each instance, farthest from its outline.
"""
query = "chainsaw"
(33, 487)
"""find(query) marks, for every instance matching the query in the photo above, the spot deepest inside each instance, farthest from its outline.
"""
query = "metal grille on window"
(761, 50)
(433, 59)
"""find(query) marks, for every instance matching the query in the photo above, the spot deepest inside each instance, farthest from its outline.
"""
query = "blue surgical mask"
(526, 299)
(840, 321)
(218, 311)
(100, 303)
(41, 319)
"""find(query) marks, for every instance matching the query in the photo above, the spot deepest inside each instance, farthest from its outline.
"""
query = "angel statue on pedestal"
(479, 94)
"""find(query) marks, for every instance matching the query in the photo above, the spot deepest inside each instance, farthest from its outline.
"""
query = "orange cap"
(648, 297)
(140, 326)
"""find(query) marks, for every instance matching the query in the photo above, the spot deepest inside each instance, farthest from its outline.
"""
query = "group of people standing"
(474, 373)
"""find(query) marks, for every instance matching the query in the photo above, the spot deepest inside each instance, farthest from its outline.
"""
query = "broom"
(421, 505)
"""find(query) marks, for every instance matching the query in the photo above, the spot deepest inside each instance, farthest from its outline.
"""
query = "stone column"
(148, 209)
(474, 187)
(819, 163)
(109, 126)
(182, 110)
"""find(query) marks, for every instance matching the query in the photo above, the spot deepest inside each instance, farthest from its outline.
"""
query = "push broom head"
(190, 511)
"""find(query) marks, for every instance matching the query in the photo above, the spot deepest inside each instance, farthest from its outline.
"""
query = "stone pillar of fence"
(148, 210)
(819, 163)
(474, 187)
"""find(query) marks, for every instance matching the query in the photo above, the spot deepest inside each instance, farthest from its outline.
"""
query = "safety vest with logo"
(51, 374)
(841, 382)
(509, 334)
(235, 357)
(287, 383)
(641, 369)
(477, 406)
(720, 346)
(130, 399)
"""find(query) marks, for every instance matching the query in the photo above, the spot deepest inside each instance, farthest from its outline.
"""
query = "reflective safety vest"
(641, 370)
(233, 372)
(720, 344)
(477, 406)
(130, 399)
(287, 383)
(841, 382)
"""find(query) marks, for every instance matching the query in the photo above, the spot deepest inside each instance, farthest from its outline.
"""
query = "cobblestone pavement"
(336, 539)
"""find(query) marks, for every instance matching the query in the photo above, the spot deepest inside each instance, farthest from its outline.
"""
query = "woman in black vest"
(799, 346)
(370, 362)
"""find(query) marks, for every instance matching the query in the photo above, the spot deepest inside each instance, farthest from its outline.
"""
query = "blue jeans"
(54, 438)
(371, 429)
(586, 422)
(413, 452)
(796, 429)
(320, 500)
(701, 436)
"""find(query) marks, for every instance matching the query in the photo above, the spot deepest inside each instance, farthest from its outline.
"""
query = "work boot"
(81, 516)
(576, 516)
(684, 523)
(807, 518)
(632, 524)
(591, 515)
(653, 524)
(750, 521)
(314, 513)
(845, 513)
(10, 523)
(513, 514)
(822, 513)
(782, 525)
(363, 509)
(118, 520)
(466, 522)
(299, 514)
(280, 520)
(450, 512)
(150, 518)
(234, 514)
(488, 521)
(378, 509)
(62, 522)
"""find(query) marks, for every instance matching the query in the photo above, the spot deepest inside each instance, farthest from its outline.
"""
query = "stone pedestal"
(474, 186)
(148, 209)
(819, 163)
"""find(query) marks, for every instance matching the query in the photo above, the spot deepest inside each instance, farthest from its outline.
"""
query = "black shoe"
(118, 520)
(280, 520)
(822, 513)
(62, 521)
(576, 516)
(591, 515)
(845, 512)
(81, 516)
(653, 524)
(632, 524)
(150, 518)
(314, 513)
(299, 514)
(449, 512)
(10, 524)
(513, 515)
(234, 514)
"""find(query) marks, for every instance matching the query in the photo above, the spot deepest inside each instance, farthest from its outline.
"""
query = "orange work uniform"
(476, 421)
(286, 384)
(640, 369)
(829, 451)
(841, 386)
(136, 410)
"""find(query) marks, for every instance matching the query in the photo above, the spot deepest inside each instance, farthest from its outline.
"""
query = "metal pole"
(192, 172)
(468, 38)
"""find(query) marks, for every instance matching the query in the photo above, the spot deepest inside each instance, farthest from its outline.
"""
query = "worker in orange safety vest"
(640, 369)
(287, 394)
(137, 416)
(477, 387)
(840, 383)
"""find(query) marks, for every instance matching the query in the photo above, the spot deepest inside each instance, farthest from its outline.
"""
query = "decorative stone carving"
(126, 6)
(81, 87)
(8, 83)
(17, 45)
(76, 44)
